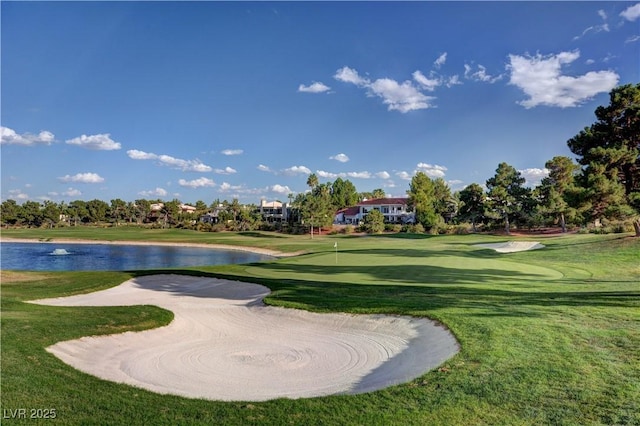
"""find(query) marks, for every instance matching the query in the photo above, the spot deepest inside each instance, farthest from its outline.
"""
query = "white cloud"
(403, 175)
(101, 142)
(441, 60)
(383, 175)
(197, 183)
(158, 192)
(359, 175)
(631, 13)
(534, 175)
(429, 84)
(166, 160)
(226, 187)
(540, 78)
(294, 170)
(10, 137)
(17, 194)
(232, 152)
(280, 189)
(400, 97)
(480, 74)
(315, 87)
(403, 97)
(72, 192)
(226, 171)
(432, 170)
(327, 175)
(82, 178)
(349, 75)
(343, 158)
(263, 168)
(453, 81)
(632, 39)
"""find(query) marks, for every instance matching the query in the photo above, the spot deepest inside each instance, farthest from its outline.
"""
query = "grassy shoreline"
(548, 337)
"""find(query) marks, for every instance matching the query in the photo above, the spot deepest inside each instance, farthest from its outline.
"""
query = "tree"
(610, 150)
(312, 181)
(51, 213)
(10, 212)
(316, 208)
(117, 210)
(472, 204)
(343, 194)
(31, 213)
(557, 189)
(422, 199)
(378, 193)
(506, 193)
(374, 222)
(143, 208)
(78, 211)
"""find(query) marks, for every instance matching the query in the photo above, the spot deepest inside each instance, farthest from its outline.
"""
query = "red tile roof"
(384, 201)
(350, 211)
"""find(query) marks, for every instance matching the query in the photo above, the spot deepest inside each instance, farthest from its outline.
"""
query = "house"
(212, 216)
(394, 210)
(273, 211)
(185, 208)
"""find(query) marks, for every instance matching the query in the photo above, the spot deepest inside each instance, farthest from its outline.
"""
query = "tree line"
(603, 185)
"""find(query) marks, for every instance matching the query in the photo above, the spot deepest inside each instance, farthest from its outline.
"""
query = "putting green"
(381, 267)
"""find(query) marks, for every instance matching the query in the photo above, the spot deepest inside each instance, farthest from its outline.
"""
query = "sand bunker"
(512, 246)
(225, 344)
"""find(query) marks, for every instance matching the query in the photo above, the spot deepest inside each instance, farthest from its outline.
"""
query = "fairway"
(409, 267)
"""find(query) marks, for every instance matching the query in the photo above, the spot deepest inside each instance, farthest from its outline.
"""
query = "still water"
(107, 257)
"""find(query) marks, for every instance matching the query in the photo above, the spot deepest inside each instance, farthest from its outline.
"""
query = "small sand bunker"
(225, 344)
(512, 246)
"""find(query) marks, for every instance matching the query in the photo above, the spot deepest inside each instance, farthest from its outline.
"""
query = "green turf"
(547, 337)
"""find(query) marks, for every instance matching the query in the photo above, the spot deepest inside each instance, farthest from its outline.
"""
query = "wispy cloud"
(480, 74)
(315, 87)
(10, 137)
(343, 158)
(403, 97)
(429, 84)
(631, 13)
(226, 171)
(197, 183)
(158, 192)
(72, 192)
(632, 39)
(166, 160)
(232, 152)
(17, 194)
(596, 28)
(540, 78)
(441, 60)
(383, 175)
(101, 142)
(264, 168)
(82, 178)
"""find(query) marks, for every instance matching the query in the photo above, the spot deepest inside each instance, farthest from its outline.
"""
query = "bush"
(348, 229)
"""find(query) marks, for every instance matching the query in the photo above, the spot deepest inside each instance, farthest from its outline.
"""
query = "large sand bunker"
(225, 344)
(512, 246)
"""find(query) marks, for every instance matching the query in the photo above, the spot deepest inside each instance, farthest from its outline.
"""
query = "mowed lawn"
(548, 336)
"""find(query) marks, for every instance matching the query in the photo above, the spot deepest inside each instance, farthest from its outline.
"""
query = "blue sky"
(207, 100)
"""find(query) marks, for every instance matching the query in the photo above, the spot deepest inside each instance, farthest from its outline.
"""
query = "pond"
(114, 257)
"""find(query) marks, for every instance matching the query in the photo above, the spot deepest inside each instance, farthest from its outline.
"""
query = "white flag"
(335, 245)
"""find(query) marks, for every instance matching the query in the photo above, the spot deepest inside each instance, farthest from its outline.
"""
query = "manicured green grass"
(547, 337)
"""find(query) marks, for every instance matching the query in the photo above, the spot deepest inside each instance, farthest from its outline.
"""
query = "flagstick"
(336, 246)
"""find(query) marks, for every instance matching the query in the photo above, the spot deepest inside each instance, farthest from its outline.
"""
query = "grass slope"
(548, 336)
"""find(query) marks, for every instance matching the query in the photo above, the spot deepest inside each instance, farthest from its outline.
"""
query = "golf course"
(546, 336)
